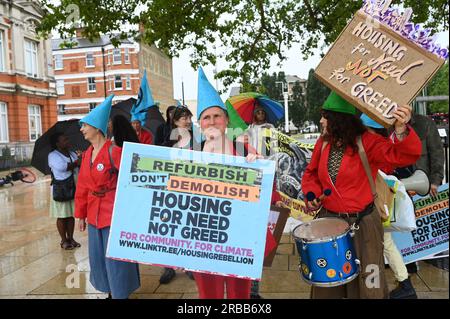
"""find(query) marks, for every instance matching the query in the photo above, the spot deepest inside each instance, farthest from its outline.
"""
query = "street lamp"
(285, 91)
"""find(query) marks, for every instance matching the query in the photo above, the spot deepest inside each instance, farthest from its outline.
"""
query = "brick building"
(27, 86)
(92, 70)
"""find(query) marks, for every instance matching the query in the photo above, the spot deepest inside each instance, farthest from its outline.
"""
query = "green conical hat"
(337, 104)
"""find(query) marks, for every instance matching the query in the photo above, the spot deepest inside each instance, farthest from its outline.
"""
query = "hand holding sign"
(377, 68)
(402, 116)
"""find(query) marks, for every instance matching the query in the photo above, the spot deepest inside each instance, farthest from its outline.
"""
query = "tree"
(297, 107)
(316, 94)
(270, 87)
(250, 32)
(439, 86)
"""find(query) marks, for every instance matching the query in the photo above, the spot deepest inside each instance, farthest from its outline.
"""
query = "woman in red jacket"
(144, 136)
(94, 201)
(336, 165)
(213, 119)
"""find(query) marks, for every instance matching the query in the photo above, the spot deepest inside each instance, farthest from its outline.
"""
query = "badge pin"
(347, 268)
(331, 273)
(100, 167)
(304, 268)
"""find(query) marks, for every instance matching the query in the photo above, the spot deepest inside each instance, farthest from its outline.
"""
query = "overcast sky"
(294, 65)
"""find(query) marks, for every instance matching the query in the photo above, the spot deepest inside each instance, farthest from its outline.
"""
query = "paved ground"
(32, 265)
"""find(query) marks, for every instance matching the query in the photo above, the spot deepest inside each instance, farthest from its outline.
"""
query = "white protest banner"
(431, 235)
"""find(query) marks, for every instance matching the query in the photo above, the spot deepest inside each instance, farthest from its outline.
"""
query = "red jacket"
(97, 179)
(271, 243)
(352, 192)
(145, 137)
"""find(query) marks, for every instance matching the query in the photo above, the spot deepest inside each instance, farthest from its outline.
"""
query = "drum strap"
(364, 213)
(359, 216)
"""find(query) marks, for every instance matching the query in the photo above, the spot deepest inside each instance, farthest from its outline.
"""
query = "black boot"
(412, 268)
(405, 290)
(167, 276)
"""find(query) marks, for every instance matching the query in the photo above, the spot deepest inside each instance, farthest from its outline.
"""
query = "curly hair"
(342, 128)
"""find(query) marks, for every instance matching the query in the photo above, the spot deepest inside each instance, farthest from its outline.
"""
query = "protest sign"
(291, 157)
(200, 211)
(277, 220)
(380, 61)
(431, 235)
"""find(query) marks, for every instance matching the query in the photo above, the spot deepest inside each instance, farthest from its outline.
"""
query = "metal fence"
(15, 154)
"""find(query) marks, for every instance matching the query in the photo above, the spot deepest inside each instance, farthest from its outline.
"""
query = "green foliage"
(316, 94)
(439, 86)
(297, 107)
(246, 33)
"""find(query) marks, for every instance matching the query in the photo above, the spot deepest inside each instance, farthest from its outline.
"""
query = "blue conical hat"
(207, 95)
(99, 116)
(143, 103)
(141, 117)
(367, 121)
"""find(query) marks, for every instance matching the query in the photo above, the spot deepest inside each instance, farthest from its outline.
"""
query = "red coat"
(145, 137)
(97, 178)
(352, 192)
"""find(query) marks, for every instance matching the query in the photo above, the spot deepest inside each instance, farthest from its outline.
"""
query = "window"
(60, 87)
(118, 82)
(117, 56)
(2, 52)
(61, 109)
(31, 58)
(91, 85)
(90, 60)
(59, 64)
(92, 106)
(128, 82)
(3, 123)
(34, 121)
(127, 55)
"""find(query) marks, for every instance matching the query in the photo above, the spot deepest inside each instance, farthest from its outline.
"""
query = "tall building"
(89, 71)
(27, 86)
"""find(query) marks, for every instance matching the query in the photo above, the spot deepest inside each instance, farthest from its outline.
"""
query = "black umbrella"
(122, 108)
(42, 146)
(154, 117)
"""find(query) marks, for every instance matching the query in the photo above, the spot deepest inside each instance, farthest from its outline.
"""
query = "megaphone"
(417, 182)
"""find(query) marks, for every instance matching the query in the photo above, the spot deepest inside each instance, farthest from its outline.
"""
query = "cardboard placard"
(375, 68)
(277, 220)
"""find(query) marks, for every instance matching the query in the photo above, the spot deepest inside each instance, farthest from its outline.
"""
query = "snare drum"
(327, 255)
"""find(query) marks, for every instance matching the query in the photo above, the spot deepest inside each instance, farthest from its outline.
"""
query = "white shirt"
(255, 131)
(58, 164)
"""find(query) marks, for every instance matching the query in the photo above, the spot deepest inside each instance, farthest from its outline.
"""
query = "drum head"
(322, 228)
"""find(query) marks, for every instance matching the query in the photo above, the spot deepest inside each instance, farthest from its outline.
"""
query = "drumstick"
(310, 195)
